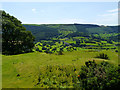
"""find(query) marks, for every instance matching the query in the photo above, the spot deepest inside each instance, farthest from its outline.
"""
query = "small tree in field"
(103, 56)
(15, 38)
(60, 53)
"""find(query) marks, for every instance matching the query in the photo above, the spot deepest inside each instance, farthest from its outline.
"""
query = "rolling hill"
(48, 31)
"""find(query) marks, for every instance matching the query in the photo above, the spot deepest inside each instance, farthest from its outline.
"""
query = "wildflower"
(78, 75)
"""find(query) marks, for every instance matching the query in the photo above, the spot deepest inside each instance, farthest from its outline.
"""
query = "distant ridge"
(46, 31)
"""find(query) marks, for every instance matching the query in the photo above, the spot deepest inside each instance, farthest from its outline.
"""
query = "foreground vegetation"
(101, 76)
(41, 70)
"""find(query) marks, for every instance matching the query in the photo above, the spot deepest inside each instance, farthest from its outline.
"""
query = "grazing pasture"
(41, 70)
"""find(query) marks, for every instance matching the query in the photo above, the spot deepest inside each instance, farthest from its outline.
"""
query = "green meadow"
(41, 70)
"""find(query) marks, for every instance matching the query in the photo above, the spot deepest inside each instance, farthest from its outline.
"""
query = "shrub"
(102, 56)
(59, 53)
(116, 50)
(99, 76)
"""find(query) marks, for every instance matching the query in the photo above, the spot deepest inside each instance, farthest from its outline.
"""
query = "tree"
(77, 43)
(15, 38)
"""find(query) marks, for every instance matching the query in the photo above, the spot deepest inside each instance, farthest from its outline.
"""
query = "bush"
(116, 50)
(99, 76)
(59, 53)
(103, 56)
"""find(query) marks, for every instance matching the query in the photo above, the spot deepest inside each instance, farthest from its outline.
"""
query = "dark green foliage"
(42, 32)
(92, 76)
(15, 38)
(101, 76)
(116, 50)
(81, 27)
(103, 29)
(103, 56)
(75, 35)
(18, 75)
(46, 32)
(60, 53)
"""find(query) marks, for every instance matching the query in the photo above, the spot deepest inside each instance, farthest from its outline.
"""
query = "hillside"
(48, 31)
(24, 70)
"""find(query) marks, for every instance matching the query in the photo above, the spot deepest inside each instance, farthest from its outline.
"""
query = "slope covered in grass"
(48, 31)
(25, 70)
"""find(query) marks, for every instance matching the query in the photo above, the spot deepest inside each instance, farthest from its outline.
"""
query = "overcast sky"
(102, 13)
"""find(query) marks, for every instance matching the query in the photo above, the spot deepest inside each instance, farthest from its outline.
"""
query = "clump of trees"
(101, 76)
(15, 38)
(102, 56)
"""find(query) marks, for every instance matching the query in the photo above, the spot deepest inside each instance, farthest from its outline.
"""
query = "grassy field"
(33, 70)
